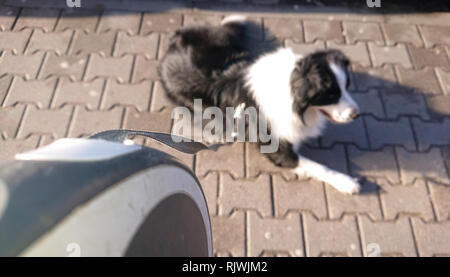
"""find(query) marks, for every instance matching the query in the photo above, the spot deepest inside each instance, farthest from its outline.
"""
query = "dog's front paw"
(347, 184)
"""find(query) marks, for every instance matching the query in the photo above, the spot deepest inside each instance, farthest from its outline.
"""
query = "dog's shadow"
(385, 106)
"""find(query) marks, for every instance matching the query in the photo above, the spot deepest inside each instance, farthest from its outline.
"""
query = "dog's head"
(319, 82)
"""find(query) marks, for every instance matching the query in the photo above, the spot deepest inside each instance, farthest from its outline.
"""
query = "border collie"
(228, 65)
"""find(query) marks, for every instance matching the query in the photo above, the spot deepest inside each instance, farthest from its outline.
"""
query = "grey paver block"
(69, 66)
(432, 238)
(116, 68)
(9, 148)
(26, 66)
(5, 82)
(87, 94)
(7, 17)
(305, 48)
(440, 195)
(435, 35)
(87, 122)
(137, 95)
(45, 121)
(285, 28)
(383, 133)
(392, 238)
(398, 33)
(10, 119)
(44, 19)
(410, 199)
(141, 45)
(229, 234)
(422, 165)
(431, 133)
(322, 30)
(228, 158)
(55, 41)
(358, 31)
(331, 238)
(201, 20)
(120, 20)
(245, 194)
(398, 101)
(381, 164)
(78, 19)
(38, 92)
(159, 99)
(422, 57)
(160, 22)
(423, 80)
(273, 234)
(357, 52)
(14, 41)
(390, 55)
(145, 69)
(303, 195)
(146, 121)
(365, 78)
(87, 43)
(352, 132)
(334, 158)
(444, 78)
(369, 103)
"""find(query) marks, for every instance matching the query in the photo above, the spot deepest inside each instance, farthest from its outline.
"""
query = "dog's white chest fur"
(269, 82)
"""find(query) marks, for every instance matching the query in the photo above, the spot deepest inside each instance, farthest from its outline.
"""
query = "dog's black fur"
(211, 63)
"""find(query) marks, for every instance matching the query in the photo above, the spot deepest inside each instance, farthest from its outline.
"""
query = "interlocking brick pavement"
(72, 72)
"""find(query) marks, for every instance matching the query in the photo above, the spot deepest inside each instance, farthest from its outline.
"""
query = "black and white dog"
(226, 65)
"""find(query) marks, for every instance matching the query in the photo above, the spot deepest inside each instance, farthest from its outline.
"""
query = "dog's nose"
(354, 114)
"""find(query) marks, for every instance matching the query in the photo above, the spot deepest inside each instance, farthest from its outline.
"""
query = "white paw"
(347, 184)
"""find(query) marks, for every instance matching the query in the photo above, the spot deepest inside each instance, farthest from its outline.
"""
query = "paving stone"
(9, 148)
(186, 159)
(160, 100)
(210, 187)
(389, 55)
(398, 33)
(435, 35)
(257, 163)
(446, 154)
(359, 31)
(86, 43)
(146, 121)
(26, 66)
(333, 158)
(245, 194)
(369, 103)
(356, 52)
(323, 30)
(7, 17)
(229, 158)
(366, 202)
(160, 22)
(10, 119)
(116, 68)
(141, 45)
(80, 93)
(444, 78)
(201, 20)
(303, 195)
(398, 101)
(323, 238)
(145, 69)
(38, 92)
(163, 45)
(365, 78)
(55, 41)
(431, 133)
(422, 57)
(305, 49)
(422, 80)
(390, 133)
(432, 238)
(136, 95)
(5, 82)
(285, 28)
(422, 165)
(45, 121)
(118, 20)
(78, 19)
(440, 195)
(412, 199)
(352, 132)
(14, 41)
(392, 238)
(44, 19)
(228, 233)
(270, 234)
(381, 164)
(87, 122)
(69, 66)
